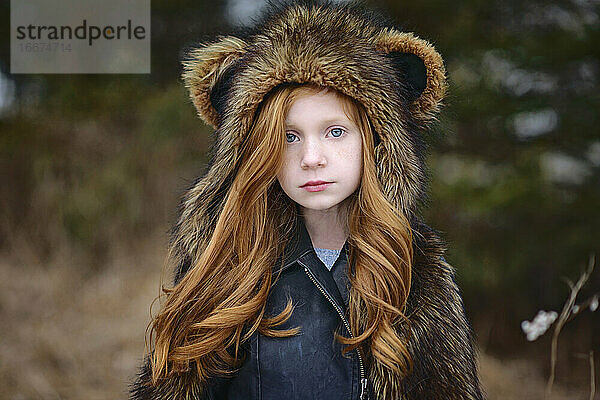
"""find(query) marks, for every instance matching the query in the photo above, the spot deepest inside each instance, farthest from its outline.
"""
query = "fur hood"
(398, 78)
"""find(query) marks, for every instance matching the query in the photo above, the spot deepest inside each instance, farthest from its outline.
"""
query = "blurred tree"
(75, 148)
(88, 160)
(516, 162)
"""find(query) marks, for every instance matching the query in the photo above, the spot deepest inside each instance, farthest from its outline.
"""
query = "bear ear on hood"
(207, 73)
(419, 67)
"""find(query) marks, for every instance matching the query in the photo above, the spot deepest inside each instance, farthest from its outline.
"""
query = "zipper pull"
(363, 391)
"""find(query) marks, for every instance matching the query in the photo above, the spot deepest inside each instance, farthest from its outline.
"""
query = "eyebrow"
(343, 120)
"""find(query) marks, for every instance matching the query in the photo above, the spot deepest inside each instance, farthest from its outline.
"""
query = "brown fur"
(350, 51)
(441, 340)
(354, 63)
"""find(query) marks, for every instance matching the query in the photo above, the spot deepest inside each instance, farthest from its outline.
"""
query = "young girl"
(302, 269)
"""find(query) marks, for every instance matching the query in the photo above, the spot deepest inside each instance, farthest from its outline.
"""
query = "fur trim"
(201, 77)
(181, 386)
(331, 45)
(428, 104)
(400, 80)
(444, 365)
(345, 50)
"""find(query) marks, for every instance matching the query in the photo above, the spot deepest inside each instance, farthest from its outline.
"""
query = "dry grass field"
(67, 335)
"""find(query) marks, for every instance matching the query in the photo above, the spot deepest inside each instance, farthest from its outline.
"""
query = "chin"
(319, 206)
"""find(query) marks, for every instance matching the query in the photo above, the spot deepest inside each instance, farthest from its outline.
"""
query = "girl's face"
(323, 145)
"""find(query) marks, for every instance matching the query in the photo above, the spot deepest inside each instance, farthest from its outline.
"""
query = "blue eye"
(288, 136)
(340, 130)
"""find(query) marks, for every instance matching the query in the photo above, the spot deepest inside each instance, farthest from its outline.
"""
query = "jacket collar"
(299, 249)
(299, 246)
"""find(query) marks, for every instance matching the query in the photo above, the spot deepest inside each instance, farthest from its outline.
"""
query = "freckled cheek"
(353, 160)
(351, 155)
(285, 172)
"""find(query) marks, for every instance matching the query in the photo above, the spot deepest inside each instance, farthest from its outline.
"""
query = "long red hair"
(220, 302)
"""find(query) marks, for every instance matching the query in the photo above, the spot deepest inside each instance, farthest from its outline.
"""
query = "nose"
(313, 155)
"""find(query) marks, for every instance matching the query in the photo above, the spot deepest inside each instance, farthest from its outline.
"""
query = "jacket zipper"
(363, 380)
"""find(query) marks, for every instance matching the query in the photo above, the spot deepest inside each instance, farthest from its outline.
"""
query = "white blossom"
(539, 325)
(575, 309)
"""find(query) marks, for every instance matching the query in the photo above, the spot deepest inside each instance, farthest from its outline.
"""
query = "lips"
(314, 183)
(315, 186)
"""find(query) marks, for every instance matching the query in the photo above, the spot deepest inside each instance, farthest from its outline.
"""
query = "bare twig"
(584, 305)
(562, 319)
(592, 376)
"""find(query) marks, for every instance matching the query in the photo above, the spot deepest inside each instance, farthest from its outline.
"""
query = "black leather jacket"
(308, 365)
